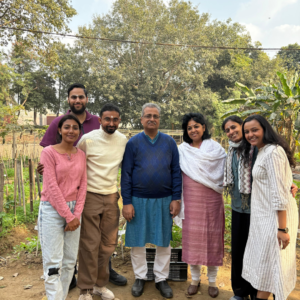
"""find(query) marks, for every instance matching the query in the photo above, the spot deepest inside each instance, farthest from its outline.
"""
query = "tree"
(249, 67)
(291, 59)
(131, 74)
(43, 95)
(36, 15)
(32, 86)
(279, 103)
(71, 67)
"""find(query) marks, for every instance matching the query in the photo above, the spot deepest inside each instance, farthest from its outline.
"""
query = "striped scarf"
(244, 175)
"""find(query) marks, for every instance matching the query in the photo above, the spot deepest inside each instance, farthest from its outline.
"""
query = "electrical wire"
(150, 43)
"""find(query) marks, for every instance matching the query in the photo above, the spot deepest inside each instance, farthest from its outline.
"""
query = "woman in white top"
(270, 256)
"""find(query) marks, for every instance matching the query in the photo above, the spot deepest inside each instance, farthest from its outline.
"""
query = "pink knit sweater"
(64, 180)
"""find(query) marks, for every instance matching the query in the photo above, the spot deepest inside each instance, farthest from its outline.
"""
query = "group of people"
(162, 183)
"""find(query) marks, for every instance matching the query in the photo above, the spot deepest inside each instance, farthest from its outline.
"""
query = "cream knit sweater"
(104, 154)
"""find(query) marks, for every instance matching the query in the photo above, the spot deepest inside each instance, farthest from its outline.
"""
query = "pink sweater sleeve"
(82, 191)
(57, 199)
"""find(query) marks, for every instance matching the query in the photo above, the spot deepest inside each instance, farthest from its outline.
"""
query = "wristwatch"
(285, 230)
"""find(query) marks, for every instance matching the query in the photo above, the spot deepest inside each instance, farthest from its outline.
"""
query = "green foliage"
(177, 237)
(29, 246)
(132, 74)
(291, 59)
(249, 67)
(297, 157)
(8, 220)
(279, 103)
(228, 218)
(46, 15)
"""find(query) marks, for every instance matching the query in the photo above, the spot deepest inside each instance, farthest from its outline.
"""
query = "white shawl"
(204, 165)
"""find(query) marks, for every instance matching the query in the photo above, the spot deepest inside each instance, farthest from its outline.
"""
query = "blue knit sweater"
(151, 170)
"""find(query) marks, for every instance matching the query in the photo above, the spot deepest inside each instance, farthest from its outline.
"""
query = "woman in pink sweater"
(62, 201)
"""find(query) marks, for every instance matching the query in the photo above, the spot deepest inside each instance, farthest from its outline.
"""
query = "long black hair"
(270, 137)
(62, 121)
(234, 118)
(197, 117)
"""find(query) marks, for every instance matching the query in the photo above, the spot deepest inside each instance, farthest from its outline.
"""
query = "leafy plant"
(177, 237)
(8, 219)
(279, 103)
(30, 246)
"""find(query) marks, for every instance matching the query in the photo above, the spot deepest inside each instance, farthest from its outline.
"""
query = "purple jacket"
(91, 123)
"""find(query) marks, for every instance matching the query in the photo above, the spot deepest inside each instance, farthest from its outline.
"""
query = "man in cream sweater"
(104, 149)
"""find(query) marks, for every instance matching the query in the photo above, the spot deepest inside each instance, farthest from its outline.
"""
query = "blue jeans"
(59, 249)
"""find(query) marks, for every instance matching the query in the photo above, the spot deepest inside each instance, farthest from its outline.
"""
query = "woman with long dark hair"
(270, 256)
(237, 184)
(202, 211)
(62, 201)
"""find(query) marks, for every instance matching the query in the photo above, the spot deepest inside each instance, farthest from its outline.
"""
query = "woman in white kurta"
(270, 255)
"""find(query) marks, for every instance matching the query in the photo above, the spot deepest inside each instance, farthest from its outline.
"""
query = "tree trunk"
(59, 95)
(34, 116)
(289, 135)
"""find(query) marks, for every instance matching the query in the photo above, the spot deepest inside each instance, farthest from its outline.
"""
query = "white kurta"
(266, 266)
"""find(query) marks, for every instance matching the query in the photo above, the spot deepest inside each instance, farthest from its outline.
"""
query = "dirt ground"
(29, 269)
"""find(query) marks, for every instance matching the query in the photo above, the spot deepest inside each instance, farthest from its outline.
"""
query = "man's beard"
(77, 111)
(109, 129)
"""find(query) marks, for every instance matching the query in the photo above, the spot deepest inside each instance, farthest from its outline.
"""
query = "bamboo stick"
(23, 189)
(38, 182)
(15, 184)
(33, 178)
(1, 191)
(1, 186)
(19, 181)
(30, 185)
(14, 145)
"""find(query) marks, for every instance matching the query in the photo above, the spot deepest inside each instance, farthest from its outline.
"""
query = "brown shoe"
(193, 289)
(213, 291)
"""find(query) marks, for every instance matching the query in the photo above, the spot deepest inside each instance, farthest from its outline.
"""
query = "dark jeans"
(239, 235)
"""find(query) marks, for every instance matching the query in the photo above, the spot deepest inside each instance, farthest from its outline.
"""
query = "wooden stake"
(19, 181)
(22, 187)
(1, 186)
(33, 178)
(1, 191)
(30, 184)
(37, 176)
(14, 145)
(15, 184)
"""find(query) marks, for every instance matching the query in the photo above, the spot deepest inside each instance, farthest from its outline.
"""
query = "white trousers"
(59, 250)
(212, 272)
(161, 263)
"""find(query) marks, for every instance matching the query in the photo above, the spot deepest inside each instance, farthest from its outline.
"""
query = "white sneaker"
(104, 293)
(87, 296)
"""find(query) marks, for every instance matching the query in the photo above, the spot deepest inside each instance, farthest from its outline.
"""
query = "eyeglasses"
(115, 120)
(155, 117)
(74, 97)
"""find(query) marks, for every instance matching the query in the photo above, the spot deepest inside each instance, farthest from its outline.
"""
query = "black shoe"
(164, 288)
(116, 278)
(73, 283)
(138, 287)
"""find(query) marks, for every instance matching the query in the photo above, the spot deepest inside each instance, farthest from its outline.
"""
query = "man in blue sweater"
(151, 190)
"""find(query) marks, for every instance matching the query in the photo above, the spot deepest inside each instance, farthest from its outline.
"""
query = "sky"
(275, 23)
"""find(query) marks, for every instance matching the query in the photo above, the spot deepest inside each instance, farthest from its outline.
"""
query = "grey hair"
(151, 105)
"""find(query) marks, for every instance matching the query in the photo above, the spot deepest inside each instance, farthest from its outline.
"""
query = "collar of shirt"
(149, 138)
(87, 117)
